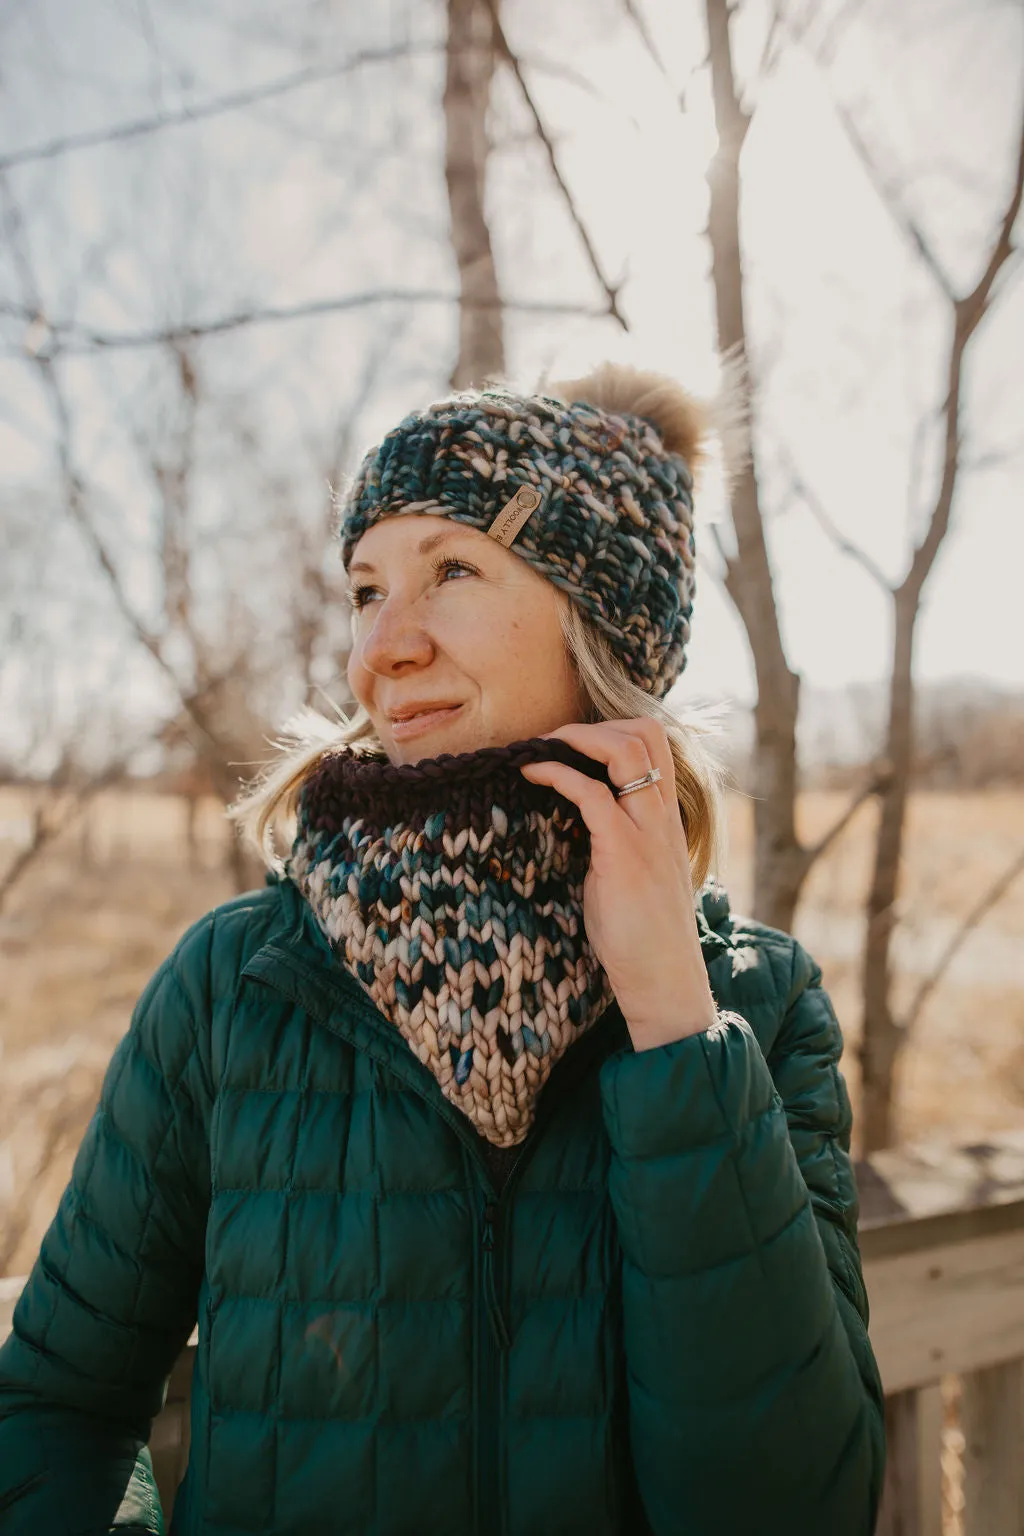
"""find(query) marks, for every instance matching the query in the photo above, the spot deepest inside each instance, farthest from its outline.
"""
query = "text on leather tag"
(514, 514)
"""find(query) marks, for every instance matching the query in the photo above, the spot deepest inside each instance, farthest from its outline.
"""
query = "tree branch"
(843, 544)
(729, 562)
(995, 458)
(49, 822)
(968, 313)
(970, 310)
(876, 781)
(636, 16)
(234, 101)
(918, 444)
(893, 202)
(231, 101)
(75, 341)
(611, 292)
(73, 486)
(995, 892)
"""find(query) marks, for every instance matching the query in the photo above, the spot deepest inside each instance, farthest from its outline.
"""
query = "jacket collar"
(296, 960)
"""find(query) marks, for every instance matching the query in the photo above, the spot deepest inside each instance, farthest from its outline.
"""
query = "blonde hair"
(609, 692)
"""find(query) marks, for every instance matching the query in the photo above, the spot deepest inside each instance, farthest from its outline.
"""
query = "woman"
(509, 1185)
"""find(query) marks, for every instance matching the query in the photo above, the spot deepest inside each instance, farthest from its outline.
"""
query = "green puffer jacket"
(658, 1327)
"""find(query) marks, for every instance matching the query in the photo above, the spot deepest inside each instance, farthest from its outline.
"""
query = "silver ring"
(635, 784)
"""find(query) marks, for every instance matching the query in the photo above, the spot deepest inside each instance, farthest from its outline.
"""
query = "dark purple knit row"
(467, 785)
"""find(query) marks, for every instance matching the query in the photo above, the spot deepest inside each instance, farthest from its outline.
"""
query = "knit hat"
(594, 491)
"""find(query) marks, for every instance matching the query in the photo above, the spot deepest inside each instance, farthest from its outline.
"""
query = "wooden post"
(912, 1496)
(992, 1416)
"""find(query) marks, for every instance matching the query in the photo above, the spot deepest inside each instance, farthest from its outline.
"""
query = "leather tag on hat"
(514, 514)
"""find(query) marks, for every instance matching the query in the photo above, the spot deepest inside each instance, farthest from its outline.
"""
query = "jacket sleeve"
(112, 1297)
(755, 1401)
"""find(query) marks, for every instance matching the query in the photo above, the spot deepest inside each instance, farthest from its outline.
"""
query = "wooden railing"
(942, 1238)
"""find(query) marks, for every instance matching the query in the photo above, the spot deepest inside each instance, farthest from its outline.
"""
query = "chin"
(435, 744)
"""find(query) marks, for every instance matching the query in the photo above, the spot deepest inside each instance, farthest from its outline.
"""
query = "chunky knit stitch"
(452, 891)
(613, 526)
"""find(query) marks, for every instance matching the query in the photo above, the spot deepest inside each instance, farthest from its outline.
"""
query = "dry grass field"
(87, 925)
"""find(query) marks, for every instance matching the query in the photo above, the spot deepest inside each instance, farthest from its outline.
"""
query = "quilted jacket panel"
(658, 1326)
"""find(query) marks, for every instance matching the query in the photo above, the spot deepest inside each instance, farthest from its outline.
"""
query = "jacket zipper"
(492, 1331)
(492, 1303)
(492, 1342)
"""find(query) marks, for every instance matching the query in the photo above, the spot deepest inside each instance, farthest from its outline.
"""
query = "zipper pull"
(499, 1328)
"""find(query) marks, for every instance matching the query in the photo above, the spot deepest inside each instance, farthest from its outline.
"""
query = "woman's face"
(446, 616)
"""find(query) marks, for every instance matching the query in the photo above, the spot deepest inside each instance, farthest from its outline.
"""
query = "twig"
(75, 493)
(75, 341)
(611, 292)
(231, 101)
(995, 458)
(918, 444)
(843, 544)
(968, 313)
(893, 201)
(49, 825)
(42, 832)
(996, 890)
(842, 18)
(877, 780)
(636, 16)
(235, 101)
(769, 51)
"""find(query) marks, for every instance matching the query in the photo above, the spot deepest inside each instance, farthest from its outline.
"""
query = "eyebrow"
(430, 542)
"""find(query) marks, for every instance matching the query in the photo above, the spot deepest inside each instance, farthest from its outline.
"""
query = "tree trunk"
(883, 1038)
(780, 863)
(470, 69)
(192, 802)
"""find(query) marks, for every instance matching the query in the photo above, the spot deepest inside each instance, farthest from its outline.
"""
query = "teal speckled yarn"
(452, 891)
(613, 527)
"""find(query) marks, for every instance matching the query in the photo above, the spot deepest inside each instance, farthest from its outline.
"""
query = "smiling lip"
(416, 725)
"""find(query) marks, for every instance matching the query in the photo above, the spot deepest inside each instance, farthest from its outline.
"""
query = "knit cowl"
(452, 890)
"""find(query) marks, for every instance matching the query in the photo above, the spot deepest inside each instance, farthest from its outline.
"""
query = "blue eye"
(450, 563)
(359, 596)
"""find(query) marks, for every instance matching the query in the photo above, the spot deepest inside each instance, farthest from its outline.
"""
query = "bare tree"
(884, 1033)
(471, 62)
(213, 656)
(55, 809)
(781, 860)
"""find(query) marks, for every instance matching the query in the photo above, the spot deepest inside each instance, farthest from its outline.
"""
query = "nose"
(396, 642)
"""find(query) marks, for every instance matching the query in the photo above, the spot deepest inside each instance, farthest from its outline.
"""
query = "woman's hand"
(638, 895)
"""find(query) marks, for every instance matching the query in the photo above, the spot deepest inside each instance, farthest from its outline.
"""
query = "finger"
(658, 749)
(648, 819)
(627, 756)
(595, 801)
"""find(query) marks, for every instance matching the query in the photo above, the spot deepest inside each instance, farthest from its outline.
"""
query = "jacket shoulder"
(742, 946)
(770, 979)
(209, 956)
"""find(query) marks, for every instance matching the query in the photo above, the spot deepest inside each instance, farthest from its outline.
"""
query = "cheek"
(354, 670)
(522, 649)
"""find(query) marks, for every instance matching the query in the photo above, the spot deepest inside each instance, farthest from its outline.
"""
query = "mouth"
(420, 724)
